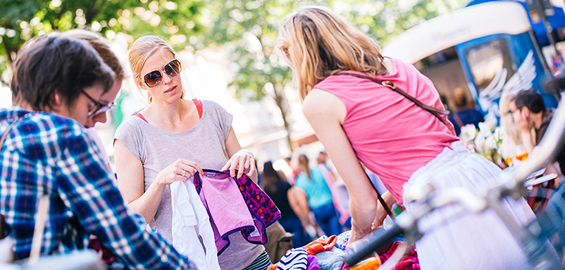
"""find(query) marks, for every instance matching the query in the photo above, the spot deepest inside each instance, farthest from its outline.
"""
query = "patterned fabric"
(343, 240)
(295, 259)
(260, 263)
(258, 202)
(49, 155)
(408, 262)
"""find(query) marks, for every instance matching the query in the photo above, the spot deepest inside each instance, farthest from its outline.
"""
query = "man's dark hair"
(54, 64)
(531, 99)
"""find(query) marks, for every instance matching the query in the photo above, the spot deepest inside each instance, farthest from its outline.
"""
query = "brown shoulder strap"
(433, 110)
(381, 200)
(7, 131)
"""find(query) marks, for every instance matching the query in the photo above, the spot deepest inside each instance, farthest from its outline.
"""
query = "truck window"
(490, 63)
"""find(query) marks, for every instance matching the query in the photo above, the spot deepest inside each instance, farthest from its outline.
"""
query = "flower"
(468, 132)
(485, 141)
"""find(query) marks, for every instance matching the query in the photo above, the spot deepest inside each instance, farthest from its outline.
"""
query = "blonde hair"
(101, 46)
(304, 165)
(318, 43)
(140, 51)
(506, 118)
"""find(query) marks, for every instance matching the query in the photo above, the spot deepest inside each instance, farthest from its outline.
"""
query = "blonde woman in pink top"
(359, 120)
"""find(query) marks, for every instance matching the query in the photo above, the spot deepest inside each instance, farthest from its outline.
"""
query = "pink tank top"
(390, 134)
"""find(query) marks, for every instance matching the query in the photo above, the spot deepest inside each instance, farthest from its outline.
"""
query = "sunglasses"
(99, 108)
(154, 78)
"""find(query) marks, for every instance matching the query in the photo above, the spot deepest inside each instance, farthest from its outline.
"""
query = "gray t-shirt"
(205, 144)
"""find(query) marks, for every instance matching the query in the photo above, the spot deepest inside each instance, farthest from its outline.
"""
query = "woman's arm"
(326, 112)
(131, 183)
(131, 180)
(240, 159)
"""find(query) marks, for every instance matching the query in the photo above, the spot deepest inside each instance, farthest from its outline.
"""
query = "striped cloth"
(295, 259)
(262, 262)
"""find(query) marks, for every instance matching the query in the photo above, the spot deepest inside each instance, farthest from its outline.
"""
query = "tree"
(24, 19)
(247, 30)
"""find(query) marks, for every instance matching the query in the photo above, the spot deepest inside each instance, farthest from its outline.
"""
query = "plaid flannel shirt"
(45, 154)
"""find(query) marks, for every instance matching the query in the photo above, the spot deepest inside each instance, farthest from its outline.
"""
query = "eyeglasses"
(510, 111)
(99, 108)
(154, 78)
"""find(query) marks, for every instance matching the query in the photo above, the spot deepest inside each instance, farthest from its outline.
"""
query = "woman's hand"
(381, 212)
(180, 170)
(243, 161)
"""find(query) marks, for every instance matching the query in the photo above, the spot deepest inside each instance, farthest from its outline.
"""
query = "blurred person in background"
(172, 139)
(57, 86)
(295, 171)
(280, 192)
(312, 182)
(340, 195)
(532, 119)
(511, 147)
(359, 119)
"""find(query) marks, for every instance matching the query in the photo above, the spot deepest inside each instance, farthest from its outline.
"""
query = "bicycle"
(533, 237)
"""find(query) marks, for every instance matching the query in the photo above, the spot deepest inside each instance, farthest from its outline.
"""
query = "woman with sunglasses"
(362, 120)
(170, 140)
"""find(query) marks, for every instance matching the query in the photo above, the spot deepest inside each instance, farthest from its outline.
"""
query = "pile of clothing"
(329, 253)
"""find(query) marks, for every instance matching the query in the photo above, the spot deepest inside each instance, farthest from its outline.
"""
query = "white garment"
(192, 233)
(455, 239)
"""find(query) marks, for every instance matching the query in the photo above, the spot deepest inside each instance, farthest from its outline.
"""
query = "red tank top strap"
(141, 116)
(198, 104)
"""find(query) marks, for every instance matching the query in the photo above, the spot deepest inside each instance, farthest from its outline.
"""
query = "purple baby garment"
(235, 205)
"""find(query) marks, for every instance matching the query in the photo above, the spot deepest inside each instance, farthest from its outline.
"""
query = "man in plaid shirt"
(46, 153)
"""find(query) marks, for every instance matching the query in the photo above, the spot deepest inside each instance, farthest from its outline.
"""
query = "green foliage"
(245, 29)
(24, 19)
